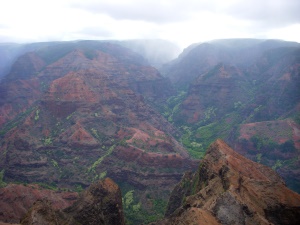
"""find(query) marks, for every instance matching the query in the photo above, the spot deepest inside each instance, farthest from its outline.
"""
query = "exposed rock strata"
(15, 200)
(100, 204)
(76, 108)
(230, 189)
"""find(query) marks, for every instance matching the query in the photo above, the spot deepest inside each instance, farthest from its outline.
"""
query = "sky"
(181, 21)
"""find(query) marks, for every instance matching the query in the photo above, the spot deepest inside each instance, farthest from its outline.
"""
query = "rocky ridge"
(16, 199)
(230, 189)
(100, 204)
(240, 90)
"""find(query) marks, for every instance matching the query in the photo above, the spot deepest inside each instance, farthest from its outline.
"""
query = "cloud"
(96, 32)
(3, 26)
(167, 11)
(267, 13)
(181, 21)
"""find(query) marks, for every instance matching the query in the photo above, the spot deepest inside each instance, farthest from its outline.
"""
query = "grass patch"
(98, 161)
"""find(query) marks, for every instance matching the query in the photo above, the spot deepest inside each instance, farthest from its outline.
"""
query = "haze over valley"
(149, 112)
(76, 112)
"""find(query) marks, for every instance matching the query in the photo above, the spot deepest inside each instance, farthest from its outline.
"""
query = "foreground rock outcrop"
(16, 199)
(101, 203)
(230, 189)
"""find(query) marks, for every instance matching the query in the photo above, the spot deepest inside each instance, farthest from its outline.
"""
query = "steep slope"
(155, 51)
(7, 54)
(77, 113)
(230, 189)
(100, 204)
(10, 52)
(229, 85)
(200, 58)
(16, 199)
(273, 143)
(229, 74)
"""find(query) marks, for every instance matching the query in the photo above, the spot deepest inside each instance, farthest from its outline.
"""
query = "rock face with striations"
(16, 199)
(79, 112)
(245, 91)
(100, 204)
(230, 189)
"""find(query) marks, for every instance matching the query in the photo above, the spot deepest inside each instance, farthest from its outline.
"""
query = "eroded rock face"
(82, 111)
(100, 204)
(15, 200)
(43, 213)
(230, 189)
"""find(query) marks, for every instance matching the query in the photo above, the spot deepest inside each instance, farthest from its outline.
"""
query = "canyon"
(73, 113)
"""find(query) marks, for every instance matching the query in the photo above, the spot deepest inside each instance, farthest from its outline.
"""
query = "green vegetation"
(297, 118)
(78, 188)
(258, 157)
(103, 175)
(171, 109)
(2, 183)
(159, 206)
(16, 121)
(51, 186)
(288, 146)
(277, 165)
(196, 181)
(196, 138)
(54, 163)
(238, 105)
(69, 116)
(47, 141)
(267, 145)
(209, 113)
(194, 148)
(37, 115)
(135, 214)
(98, 161)
(127, 200)
(95, 133)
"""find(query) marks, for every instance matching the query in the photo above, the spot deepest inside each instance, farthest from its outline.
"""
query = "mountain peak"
(230, 189)
(220, 154)
(101, 203)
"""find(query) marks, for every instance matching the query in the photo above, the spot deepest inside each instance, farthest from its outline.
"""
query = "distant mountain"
(200, 58)
(230, 189)
(72, 113)
(226, 86)
(156, 52)
(9, 53)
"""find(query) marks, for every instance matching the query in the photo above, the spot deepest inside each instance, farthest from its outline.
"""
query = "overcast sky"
(180, 21)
